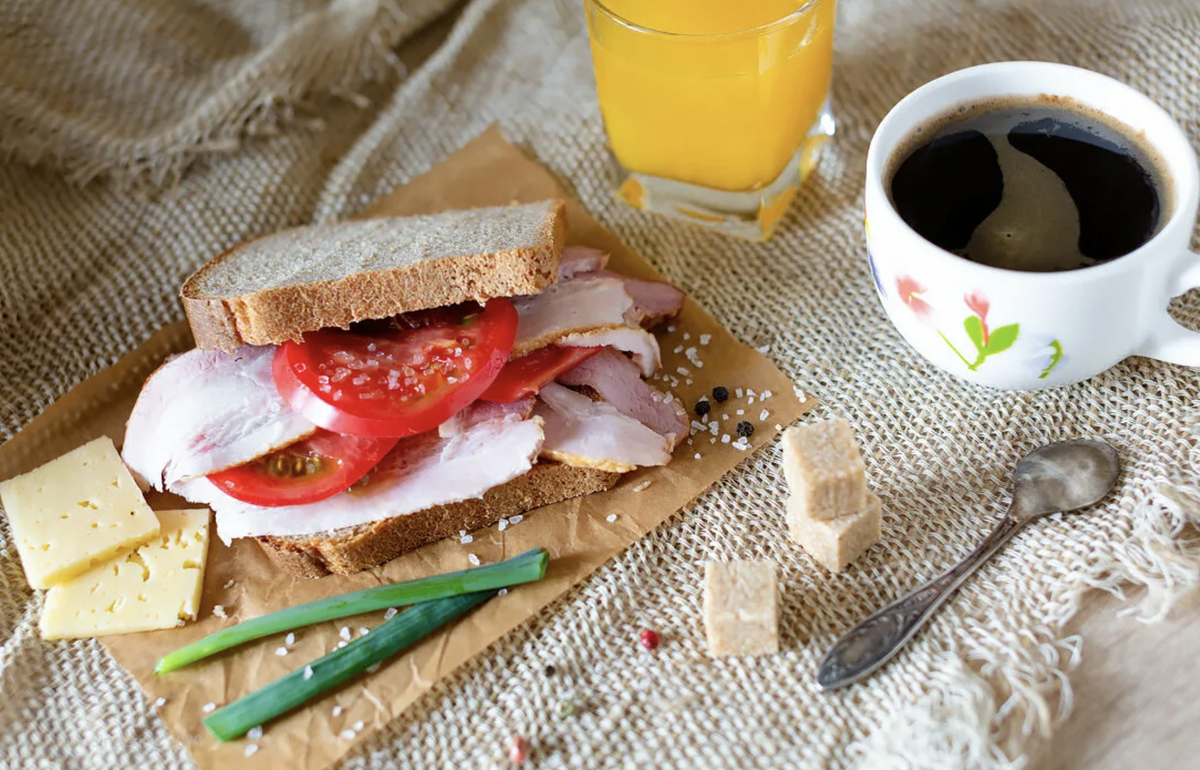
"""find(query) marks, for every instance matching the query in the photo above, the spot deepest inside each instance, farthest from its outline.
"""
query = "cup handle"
(1168, 340)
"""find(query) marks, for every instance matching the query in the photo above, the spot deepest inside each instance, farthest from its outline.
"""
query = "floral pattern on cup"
(1042, 352)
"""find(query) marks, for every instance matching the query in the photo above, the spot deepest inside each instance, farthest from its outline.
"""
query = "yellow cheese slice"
(75, 512)
(156, 586)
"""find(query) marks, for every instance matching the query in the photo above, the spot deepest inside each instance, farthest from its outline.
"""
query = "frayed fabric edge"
(259, 100)
(986, 718)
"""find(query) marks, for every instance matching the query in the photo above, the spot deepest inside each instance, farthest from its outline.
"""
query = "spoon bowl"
(1063, 477)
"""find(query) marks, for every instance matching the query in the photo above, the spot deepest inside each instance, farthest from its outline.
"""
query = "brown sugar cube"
(741, 612)
(824, 469)
(834, 543)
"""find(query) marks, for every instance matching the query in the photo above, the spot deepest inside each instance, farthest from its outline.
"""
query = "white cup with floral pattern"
(1027, 330)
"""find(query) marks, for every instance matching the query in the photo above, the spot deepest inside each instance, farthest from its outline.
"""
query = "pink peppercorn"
(518, 750)
(649, 639)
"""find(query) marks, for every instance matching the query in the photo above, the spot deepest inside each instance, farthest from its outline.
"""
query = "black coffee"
(1035, 185)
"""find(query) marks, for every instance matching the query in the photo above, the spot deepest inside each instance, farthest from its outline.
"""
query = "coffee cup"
(1019, 330)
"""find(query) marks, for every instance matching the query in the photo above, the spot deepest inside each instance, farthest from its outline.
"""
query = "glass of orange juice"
(716, 109)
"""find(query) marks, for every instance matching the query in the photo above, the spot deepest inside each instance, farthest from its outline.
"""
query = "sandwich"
(360, 389)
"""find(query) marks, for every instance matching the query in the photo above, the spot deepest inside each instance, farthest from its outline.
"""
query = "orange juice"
(720, 94)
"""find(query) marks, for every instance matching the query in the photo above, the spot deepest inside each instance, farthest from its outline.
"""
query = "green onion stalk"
(525, 568)
(294, 689)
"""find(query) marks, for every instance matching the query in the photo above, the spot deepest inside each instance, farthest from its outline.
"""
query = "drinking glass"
(716, 110)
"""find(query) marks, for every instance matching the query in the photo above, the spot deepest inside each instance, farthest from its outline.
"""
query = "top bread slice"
(276, 287)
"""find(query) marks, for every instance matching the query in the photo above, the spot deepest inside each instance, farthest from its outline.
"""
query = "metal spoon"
(1056, 477)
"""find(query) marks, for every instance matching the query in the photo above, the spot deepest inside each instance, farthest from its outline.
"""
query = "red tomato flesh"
(309, 470)
(534, 371)
(403, 377)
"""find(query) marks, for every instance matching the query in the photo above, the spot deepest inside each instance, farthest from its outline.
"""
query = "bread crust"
(353, 549)
(280, 313)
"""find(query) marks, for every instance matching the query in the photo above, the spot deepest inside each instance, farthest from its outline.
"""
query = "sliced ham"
(593, 434)
(576, 305)
(203, 412)
(580, 259)
(640, 344)
(488, 449)
(653, 301)
(482, 411)
(617, 380)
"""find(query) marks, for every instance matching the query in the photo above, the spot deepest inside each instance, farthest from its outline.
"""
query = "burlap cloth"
(201, 123)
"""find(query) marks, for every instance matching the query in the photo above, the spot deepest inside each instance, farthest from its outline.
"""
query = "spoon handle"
(875, 640)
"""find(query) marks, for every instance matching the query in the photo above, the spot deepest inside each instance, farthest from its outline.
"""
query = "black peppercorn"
(549, 671)
(745, 429)
(703, 407)
(720, 394)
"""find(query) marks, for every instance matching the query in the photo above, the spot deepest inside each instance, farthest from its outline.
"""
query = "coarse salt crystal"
(347, 735)
(502, 592)
(724, 417)
(229, 583)
(712, 440)
(739, 392)
(684, 371)
(610, 518)
(645, 484)
(670, 330)
(340, 645)
(689, 442)
(251, 750)
(281, 651)
(694, 357)
(345, 633)
(219, 611)
(687, 336)
(515, 519)
(466, 539)
(705, 339)
(209, 708)
(358, 726)
(697, 426)
(502, 524)
(750, 400)
(391, 613)
(764, 414)
(363, 631)
(160, 703)
(766, 394)
(750, 392)
(473, 559)
(741, 411)
(254, 733)
(778, 426)
(689, 381)
(308, 673)
(337, 711)
(290, 639)
(713, 427)
(371, 669)
(763, 348)
(697, 455)
(678, 349)
(725, 439)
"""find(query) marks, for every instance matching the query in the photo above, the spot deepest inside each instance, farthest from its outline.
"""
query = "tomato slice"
(402, 377)
(534, 371)
(309, 470)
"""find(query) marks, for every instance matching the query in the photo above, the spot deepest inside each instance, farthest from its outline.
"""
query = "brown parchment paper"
(488, 171)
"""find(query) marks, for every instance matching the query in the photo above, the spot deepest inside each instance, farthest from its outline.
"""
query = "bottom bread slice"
(353, 549)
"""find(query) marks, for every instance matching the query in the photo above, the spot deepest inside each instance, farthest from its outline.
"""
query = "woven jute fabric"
(122, 93)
